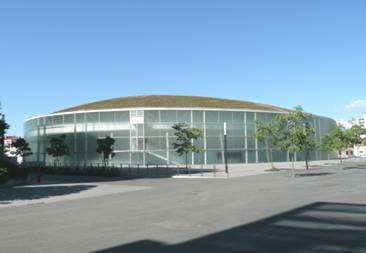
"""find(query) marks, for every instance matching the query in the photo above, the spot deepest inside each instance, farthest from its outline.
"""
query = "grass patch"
(273, 169)
(173, 101)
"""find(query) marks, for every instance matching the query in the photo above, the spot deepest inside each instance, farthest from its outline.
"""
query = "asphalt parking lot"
(322, 210)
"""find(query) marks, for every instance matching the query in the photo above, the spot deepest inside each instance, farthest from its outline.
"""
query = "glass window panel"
(213, 143)
(175, 158)
(92, 117)
(263, 156)
(214, 129)
(106, 116)
(214, 156)
(79, 117)
(41, 121)
(199, 142)
(300, 156)
(212, 116)
(250, 118)
(121, 133)
(270, 116)
(122, 158)
(155, 143)
(251, 156)
(80, 142)
(226, 116)
(92, 138)
(238, 117)
(168, 116)
(121, 144)
(137, 158)
(184, 116)
(250, 130)
(262, 116)
(235, 130)
(199, 158)
(140, 130)
(197, 116)
(251, 143)
(262, 145)
(152, 116)
(48, 121)
(235, 143)
(152, 130)
(122, 116)
(235, 156)
(58, 120)
(279, 156)
(155, 159)
(69, 118)
(167, 128)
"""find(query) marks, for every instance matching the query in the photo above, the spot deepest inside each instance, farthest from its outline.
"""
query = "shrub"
(9, 170)
(4, 175)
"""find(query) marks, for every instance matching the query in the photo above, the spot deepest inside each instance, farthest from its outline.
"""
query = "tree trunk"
(340, 159)
(267, 152)
(271, 157)
(307, 159)
(186, 160)
(293, 164)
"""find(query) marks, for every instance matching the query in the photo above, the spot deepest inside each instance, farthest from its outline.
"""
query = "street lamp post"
(225, 150)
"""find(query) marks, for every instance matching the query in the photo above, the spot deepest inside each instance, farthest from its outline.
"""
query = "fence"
(121, 170)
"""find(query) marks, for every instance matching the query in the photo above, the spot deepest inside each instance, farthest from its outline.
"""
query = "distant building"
(142, 129)
(360, 121)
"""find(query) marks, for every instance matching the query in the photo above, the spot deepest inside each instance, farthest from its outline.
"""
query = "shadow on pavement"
(318, 227)
(313, 174)
(38, 192)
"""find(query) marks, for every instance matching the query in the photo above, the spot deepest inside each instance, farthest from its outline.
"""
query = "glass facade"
(146, 136)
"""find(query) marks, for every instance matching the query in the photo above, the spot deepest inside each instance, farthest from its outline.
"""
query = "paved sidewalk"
(322, 210)
(243, 170)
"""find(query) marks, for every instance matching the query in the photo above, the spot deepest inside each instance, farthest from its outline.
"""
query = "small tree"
(340, 138)
(296, 134)
(185, 137)
(21, 148)
(336, 140)
(58, 147)
(354, 135)
(105, 147)
(269, 133)
(3, 127)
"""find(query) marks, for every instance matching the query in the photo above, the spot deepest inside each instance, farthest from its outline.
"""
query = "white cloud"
(358, 103)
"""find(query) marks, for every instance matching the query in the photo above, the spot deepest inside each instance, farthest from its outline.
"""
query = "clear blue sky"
(55, 54)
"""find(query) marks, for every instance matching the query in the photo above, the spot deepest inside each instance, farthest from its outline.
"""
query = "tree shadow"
(320, 227)
(312, 174)
(39, 192)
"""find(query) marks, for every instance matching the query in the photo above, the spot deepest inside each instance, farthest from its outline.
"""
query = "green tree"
(21, 148)
(58, 147)
(297, 135)
(105, 147)
(354, 135)
(269, 134)
(3, 127)
(336, 140)
(340, 138)
(185, 136)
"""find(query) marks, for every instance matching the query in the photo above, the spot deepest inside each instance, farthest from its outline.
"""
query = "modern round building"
(142, 129)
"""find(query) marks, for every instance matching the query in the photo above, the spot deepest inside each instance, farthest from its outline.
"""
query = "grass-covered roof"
(172, 101)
